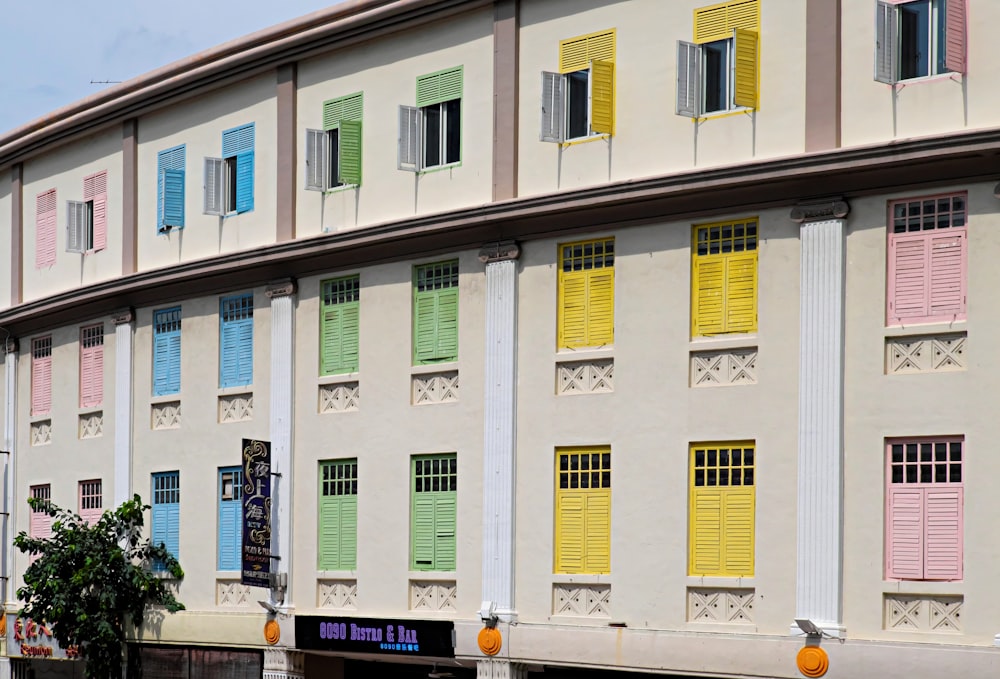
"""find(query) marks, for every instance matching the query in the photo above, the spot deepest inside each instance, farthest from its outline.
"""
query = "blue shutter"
(173, 540)
(230, 524)
(228, 359)
(166, 513)
(244, 181)
(236, 341)
(237, 140)
(166, 352)
(244, 351)
(159, 529)
(173, 199)
(167, 161)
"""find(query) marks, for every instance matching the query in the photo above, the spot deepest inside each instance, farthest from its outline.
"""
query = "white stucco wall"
(5, 239)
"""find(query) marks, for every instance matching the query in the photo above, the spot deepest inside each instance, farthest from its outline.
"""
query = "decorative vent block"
(585, 601)
(435, 388)
(92, 425)
(235, 408)
(720, 605)
(342, 594)
(923, 613)
(585, 377)
(724, 368)
(929, 354)
(233, 593)
(41, 433)
(438, 595)
(167, 415)
(339, 398)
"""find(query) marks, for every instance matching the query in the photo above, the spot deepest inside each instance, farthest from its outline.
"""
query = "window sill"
(585, 140)
(723, 342)
(715, 115)
(581, 578)
(234, 391)
(448, 576)
(923, 587)
(443, 366)
(722, 627)
(35, 418)
(926, 328)
(439, 168)
(727, 582)
(341, 188)
(336, 575)
(165, 398)
(585, 354)
(950, 75)
(339, 378)
(91, 410)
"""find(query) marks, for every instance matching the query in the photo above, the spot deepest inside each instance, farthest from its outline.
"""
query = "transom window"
(166, 488)
(237, 308)
(341, 290)
(926, 462)
(43, 493)
(231, 485)
(437, 276)
(90, 494)
(41, 347)
(588, 255)
(167, 320)
(584, 470)
(92, 336)
(715, 467)
(725, 238)
(339, 478)
(925, 214)
(435, 474)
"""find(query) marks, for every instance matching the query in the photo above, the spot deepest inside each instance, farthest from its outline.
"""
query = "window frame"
(236, 313)
(230, 179)
(337, 308)
(336, 494)
(594, 334)
(90, 491)
(41, 375)
(593, 505)
(92, 337)
(441, 350)
(164, 334)
(170, 185)
(163, 511)
(731, 282)
(230, 511)
(436, 91)
(444, 518)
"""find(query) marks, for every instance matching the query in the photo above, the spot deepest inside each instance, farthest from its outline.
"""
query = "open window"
(86, 220)
(919, 38)
(229, 180)
(333, 154)
(430, 133)
(579, 100)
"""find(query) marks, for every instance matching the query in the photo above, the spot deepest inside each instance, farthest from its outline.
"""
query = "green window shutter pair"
(340, 326)
(435, 88)
(435, 313)
(345, 114)
(433, 513)
(338, 515)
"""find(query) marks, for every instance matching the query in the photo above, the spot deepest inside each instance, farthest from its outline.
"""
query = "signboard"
(373, 635)
(29, 639)
(256, 566)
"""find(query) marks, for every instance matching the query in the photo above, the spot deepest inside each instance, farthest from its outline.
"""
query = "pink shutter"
(95, 188)
(89, 501)
(45, 229)
(91, 376)
(40, 525)
(956, 29)
(947, 274)
(41, 385)
(907, 286)
(943, 532)
(904, 552)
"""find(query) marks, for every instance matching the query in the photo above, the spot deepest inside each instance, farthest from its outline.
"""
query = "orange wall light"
(490, 640)
(812, 661)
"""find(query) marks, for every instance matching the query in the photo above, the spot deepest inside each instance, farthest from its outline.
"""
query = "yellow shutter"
(570, 531)
(597, 554)
(601, 307)
(741, 292)
(737, 531)
(705, 531)
(717, 22)
(572, 312)
(708, 295)
(745, 55)
(575, 54)
(602, 101)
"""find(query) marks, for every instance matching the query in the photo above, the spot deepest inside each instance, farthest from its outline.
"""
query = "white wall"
(5, 239)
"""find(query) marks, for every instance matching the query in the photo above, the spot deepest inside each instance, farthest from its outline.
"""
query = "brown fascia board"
(331, 29)
(957, 158)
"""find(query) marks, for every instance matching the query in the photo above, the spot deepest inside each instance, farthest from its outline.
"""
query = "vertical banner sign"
(256, 513)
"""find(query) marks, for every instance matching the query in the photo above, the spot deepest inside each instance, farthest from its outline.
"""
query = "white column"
(500, 669)
(499, 407)
(818, 591)
(124, 326)
(282, 296)
(281, 663)
(9, 442)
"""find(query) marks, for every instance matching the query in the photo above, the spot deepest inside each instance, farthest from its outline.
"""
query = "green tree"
(89, 579)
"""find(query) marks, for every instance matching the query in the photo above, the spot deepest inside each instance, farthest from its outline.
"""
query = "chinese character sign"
(256, 513)
(29, 639)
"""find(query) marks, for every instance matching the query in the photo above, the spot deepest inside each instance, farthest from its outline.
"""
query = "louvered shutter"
(553, 107)
(886, 46)
(745, 68)
(905, 533)
(572, 312)
(317, 160)
(329, 532)
(166, 363)
(214, 171)
(229, 361)
(956, 30)
(422, 532)
(348, 551)
(230, 534)
(95, 189)
(40, 526)
(425, 326)
(447, 320)
(943, 532)
(238, 140)
(160, 525)
(710, 24)
(709, 296)
(76, 226)
(91, 376)
(946, 295)
(600, 307)
(409, 139)
(602, 97)
(908, 275)
(741, 292)
(435, 88)
(597, 539)
(173, 540)
(445, 518)
(705, 533)
(570, 532)
(173, 199)
(688, 79)
(575, 54)
(41, 385)
(738, 532)
(45, 229)
(245, 351)
(332, 340)
(244, 181)
(350, 152)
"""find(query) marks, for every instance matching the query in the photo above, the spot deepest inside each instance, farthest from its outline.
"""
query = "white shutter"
(317, 160)
(409, 138)
(886, 20)
(76, 226)
(214, 173)
(553, 107)
(688, 79)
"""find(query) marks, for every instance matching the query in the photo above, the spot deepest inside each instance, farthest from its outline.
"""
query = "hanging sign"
(375, 635)
(256, 566)
(29, 639)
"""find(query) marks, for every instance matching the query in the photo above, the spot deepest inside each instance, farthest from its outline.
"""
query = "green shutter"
(422, 532)
(340, 338)
(435, 313)
(425, 326)
(337, 544)
(447, 321)
(350, 152)
(445, 518)
(335, 111)
(435, 88)
(348, 532)
(329, 533)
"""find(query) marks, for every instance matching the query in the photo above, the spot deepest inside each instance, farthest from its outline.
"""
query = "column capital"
(820, 210)
(498, 251)
(123, 316)
(285, 663)
(282, 288)
(10, 345)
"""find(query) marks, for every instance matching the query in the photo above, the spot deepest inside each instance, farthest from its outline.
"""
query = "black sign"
(374, 635)
(256, 565)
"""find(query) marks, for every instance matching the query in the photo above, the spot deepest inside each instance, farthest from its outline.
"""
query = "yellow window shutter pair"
(724, 293)
(739, 20)
(586, 314)
(583, 531)
(721, 531)
(595, 51)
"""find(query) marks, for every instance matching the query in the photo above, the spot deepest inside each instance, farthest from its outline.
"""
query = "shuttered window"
(170, 189)
(229, 181)
(41, 375)
(333, 154)
(430, 133)
(95, 195)
(924, 509)
(579, 100)
(338, 515)
(721, 513)
(167, 351)
(91, 366)
(166, 514)
(583, 510)
(40, 523)
(433, 512)
(91, 500)
(339, 325)
(45, 229)
(724, 278)
(928, 243)
(230, 518)
(435, 312)
(919, 38)
(586, 313)
(236, 341)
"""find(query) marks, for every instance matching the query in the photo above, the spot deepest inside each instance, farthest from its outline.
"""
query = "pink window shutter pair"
(95, 188)
(45, 229)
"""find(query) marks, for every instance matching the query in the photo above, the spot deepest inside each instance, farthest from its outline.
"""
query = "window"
(919, 38)
(435, 313)
(40, 523)
(166, 519)
(230, 519)
(45, 229)
(170, 189)
(924, 500)
(724, 278)
(41, 375)
(434, 497)
(236, 341)
(339, 319)
(722, 497)
(166, 351)
(338, 515)
(430, 134)
(90, 500)
(229, 180)
(586, 312)
(91, 366)
(583, 510)
(718, 72)
(579, 100)
(87, 220)
(927, 260)
(333, 154)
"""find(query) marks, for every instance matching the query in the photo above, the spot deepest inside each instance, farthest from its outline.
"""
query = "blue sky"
(50, 50)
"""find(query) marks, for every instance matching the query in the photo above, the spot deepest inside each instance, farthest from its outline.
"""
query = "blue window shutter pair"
(170, 189)
(236, 341)
(238, 143)
(166, 514)
(230, 520)
(167, 352)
